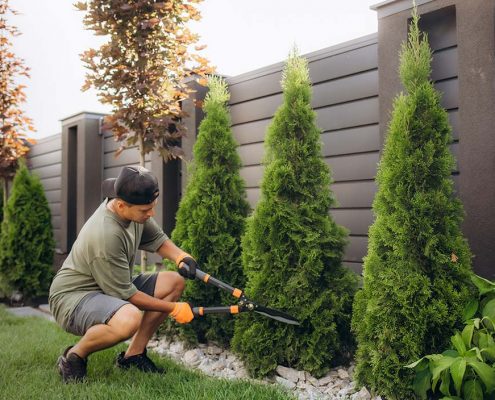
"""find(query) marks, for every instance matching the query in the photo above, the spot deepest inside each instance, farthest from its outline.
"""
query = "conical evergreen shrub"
(416, 272)
(292, 249)
(26, 238)
(211, 216)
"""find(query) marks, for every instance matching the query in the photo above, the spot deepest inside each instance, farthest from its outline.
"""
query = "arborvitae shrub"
(416, 272)
(292, 249)
(26, 238)
(211, 216)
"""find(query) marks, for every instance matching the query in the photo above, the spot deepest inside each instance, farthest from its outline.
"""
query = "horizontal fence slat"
(450, 93)
(357, 113)
(56, 221)
(250, 132)
(353, 167)
(354, 140)
(127, 157)
(55, 209)
(252, 154)
(445, 64)
(357, 221)
(43, 160)
(50, 171)
(52, 143)
(52, 183)
(356, 267)
(356, 248)
(354, 194)
(345, 89)
(114, 171)
(54, 196)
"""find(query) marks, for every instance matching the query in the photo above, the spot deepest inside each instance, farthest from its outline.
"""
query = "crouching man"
(94, 296)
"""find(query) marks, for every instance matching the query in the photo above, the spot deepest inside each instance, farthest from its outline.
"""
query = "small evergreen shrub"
(292, 249)
(26, 238)
(211, 216)
(467, 369)
(416, 272)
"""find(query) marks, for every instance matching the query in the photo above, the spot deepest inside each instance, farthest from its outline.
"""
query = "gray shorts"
(98, 308)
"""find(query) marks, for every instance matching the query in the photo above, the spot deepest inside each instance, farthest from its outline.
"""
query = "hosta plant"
(467, 370)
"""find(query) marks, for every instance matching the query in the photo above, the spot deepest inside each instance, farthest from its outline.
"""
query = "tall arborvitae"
(416, 273)
(211, 216)
(292, 250)
(26, 238)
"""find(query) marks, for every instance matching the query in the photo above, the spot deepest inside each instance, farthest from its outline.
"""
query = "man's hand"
(189, 269)
(182, 313)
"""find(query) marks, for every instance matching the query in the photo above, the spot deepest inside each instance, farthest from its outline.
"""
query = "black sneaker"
(72, 368)
(140, 361)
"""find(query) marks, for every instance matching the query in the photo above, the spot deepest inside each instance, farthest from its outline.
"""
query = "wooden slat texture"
(57, 235)
(56, 221)
(43, 160)
(49, 171)
(46, 145)
(356, 220)
(444, 64)
(356, 267)
(440, 26)
(356, 249)
(110, 145)
(250, 132)
(252, 175)
(450, 93)
(127, 157)
(54, 209)
(324, 68)
(52, 183)
(353, 140)
(255, 109)
(114, 171)
(251, 154)
(357, 113)
(353, 167)
(354, 194)
(345, 89)
(53, 196)
(454, 123)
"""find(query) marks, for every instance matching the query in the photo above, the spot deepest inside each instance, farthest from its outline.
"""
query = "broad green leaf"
(470, 309)
(437, 366)
(483, 285)
(476, 323)
(451, 398)
(458, 343)
(486, 374)
(445, 383)
(422, 383)
(488, 323)
(416, 363)
(484, 340)
(450, 353)
(473, 390)
(489, 352)
(489, 310)
(457, 369)
(467, 335)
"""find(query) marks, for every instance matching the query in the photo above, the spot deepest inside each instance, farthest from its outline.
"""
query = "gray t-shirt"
(101, 260)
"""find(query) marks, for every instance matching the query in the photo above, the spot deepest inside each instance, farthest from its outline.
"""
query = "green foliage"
(1, 205)
(211, 216)
(292, 249)
(416, 272)
(26, 239)
(467, 369)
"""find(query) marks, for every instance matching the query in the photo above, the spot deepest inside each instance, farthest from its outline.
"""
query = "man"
(93, 294)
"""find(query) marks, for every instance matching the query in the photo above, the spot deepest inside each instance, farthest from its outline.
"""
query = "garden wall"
(354, 85)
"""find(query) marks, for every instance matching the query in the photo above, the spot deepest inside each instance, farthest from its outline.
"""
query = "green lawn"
(29, 348)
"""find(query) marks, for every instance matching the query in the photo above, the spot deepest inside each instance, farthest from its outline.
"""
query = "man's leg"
(169, 287)
(124, 323)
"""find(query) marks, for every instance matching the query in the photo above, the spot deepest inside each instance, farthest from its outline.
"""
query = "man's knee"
(126, 321)
(170, 285)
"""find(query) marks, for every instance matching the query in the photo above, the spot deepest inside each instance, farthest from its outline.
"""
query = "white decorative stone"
(213, 350)
(192, 357)
(363, 394)
(288, 373)
(343, 374)
(325, 380)
(285, 383)
(176, 347)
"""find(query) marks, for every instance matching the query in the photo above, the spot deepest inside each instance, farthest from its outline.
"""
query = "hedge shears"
(243, 305)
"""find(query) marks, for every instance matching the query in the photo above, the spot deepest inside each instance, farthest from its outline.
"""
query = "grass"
(30, 347)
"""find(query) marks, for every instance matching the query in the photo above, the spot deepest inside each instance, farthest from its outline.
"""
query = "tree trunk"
(144, 256)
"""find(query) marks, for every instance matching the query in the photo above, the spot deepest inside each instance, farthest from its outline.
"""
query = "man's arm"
(149, 303)
(170, 251)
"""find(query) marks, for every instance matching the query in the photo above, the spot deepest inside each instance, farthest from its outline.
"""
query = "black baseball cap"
(134, 185)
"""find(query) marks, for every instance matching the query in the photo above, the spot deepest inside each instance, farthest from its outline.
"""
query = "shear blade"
(275, 314)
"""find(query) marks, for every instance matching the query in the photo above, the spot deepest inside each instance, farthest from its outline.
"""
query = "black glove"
(188, 270)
